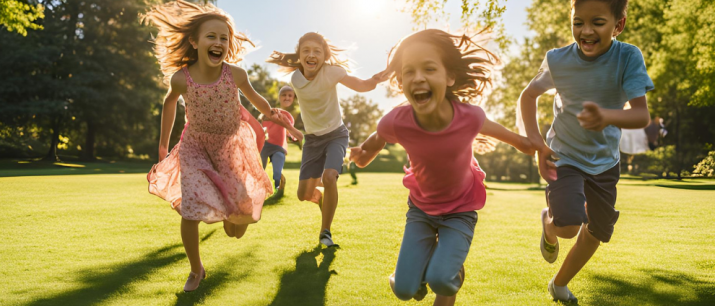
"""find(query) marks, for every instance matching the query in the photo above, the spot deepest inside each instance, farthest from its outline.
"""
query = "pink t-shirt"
(444, 177)
(277, 133)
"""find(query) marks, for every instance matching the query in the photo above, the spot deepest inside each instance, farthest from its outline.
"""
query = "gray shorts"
(577, 197)
(324, 152)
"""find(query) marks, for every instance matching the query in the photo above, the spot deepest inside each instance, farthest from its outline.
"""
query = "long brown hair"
(470, 63)
(290, 62)
(178, 23)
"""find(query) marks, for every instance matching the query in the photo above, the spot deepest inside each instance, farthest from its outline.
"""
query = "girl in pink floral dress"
(214, 173)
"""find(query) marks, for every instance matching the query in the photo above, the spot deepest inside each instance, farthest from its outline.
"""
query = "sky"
(366, 28)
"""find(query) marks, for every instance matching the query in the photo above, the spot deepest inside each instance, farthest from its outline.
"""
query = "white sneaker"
(326, 238)
(562, 294)
(549, 251)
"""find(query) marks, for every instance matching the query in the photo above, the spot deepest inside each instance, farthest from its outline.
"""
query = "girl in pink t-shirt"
(276, 146)
(439, 75)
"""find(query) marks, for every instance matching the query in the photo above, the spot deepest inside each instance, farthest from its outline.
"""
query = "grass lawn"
(102, 239)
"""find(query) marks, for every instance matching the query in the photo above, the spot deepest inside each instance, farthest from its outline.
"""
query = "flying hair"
(471, 64)
(178, 22)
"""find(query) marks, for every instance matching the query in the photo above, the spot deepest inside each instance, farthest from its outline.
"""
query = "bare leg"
(552, 231)
(330, 198)
(190, 237)
(442, 300)
(306, 190)
(585, 246)
(240, 230)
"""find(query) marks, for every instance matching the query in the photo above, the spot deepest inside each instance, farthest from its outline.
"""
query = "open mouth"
(311, 63)
(215, 55)
(589, 44)
(421, 96)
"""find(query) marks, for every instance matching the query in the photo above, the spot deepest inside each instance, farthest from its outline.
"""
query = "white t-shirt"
(318, 99)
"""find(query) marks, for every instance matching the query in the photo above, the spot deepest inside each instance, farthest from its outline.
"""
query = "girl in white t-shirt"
(316, 71)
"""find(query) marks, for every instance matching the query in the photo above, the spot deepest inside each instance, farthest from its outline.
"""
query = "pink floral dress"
(214, 173)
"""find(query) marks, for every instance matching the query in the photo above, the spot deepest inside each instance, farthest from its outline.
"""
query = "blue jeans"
(424, 259)
(278, 159)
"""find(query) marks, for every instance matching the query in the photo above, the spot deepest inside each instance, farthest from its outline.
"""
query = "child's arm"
(527, 105)
(365, 153)
(361, 85)
(168, 112)
(295, 133)
(593, 117)
(496, 130)
(240, 77)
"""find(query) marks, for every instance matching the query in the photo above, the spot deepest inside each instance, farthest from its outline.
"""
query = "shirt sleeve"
(636, 81)
(543, 80)
(289, 116)
(334, 73)
(386, 127)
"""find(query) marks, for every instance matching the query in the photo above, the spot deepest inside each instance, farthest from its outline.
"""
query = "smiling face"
(424, 79)
(312, 58)
(212, 45)
(593, 25)
(286, 98)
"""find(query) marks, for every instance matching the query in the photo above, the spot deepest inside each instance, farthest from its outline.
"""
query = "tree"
(360, 116)
(19, 16)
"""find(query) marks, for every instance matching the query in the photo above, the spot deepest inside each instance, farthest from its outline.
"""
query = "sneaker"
(282, 184)
(562, 294)
(421, 293)
(326, 238)
(193, 281)
(549, 251)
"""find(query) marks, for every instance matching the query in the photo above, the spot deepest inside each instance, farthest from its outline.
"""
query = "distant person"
(594, 77)
(316, 71)
(214, 174)
(435, 70)
(276, 146)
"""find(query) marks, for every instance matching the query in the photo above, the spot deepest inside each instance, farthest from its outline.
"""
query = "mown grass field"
(101, 239)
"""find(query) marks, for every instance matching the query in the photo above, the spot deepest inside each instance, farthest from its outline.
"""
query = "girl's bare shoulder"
(178, 82)
(239, 74)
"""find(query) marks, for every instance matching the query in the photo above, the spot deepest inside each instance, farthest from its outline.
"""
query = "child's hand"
(381, 76)
(355, 154)
(547, 168)
(592, 117)
(276, 116)
(527, 147)
(163, 152)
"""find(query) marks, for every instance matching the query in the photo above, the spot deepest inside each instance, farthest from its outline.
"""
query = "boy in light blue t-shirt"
(594, 78)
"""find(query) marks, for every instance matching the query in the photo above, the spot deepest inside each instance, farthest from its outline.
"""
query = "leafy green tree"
(360, 116)
(18, 16)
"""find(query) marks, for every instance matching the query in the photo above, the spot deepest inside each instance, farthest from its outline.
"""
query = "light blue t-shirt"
(609, 80)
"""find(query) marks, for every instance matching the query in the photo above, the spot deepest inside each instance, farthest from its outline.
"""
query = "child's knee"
(330, 177)
(404, 291)
(441, 283)
(568, 231)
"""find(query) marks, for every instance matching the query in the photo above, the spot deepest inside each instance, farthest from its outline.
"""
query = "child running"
(317, 70)
(276, 146)
(594, 77)
(435, 70)
(214, 174)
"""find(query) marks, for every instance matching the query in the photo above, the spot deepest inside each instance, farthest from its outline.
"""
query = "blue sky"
(366, 28)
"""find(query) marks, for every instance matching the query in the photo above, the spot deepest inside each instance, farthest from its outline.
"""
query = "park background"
(80, 105)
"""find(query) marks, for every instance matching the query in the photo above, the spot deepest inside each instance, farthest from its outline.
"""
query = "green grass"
(102, 239)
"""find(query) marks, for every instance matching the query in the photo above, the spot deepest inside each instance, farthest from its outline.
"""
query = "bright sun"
(369, 8)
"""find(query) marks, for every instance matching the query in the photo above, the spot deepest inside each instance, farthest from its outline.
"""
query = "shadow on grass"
(658, 287)
(216, 278)
(99, 286)
(688, 186)
(20, 167)
(306, 284)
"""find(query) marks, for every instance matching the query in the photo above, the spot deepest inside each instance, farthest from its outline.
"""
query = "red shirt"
(277, 133)
(444, 177)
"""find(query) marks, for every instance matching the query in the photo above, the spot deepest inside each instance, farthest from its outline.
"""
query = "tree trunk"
(88, 150)
(52, 153)
(678, 146)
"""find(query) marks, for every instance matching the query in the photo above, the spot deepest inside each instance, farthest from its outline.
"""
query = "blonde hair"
(290, 62)
(178, 23)
(470, 63)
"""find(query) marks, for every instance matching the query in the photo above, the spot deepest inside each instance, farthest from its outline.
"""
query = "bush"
(706, 167)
